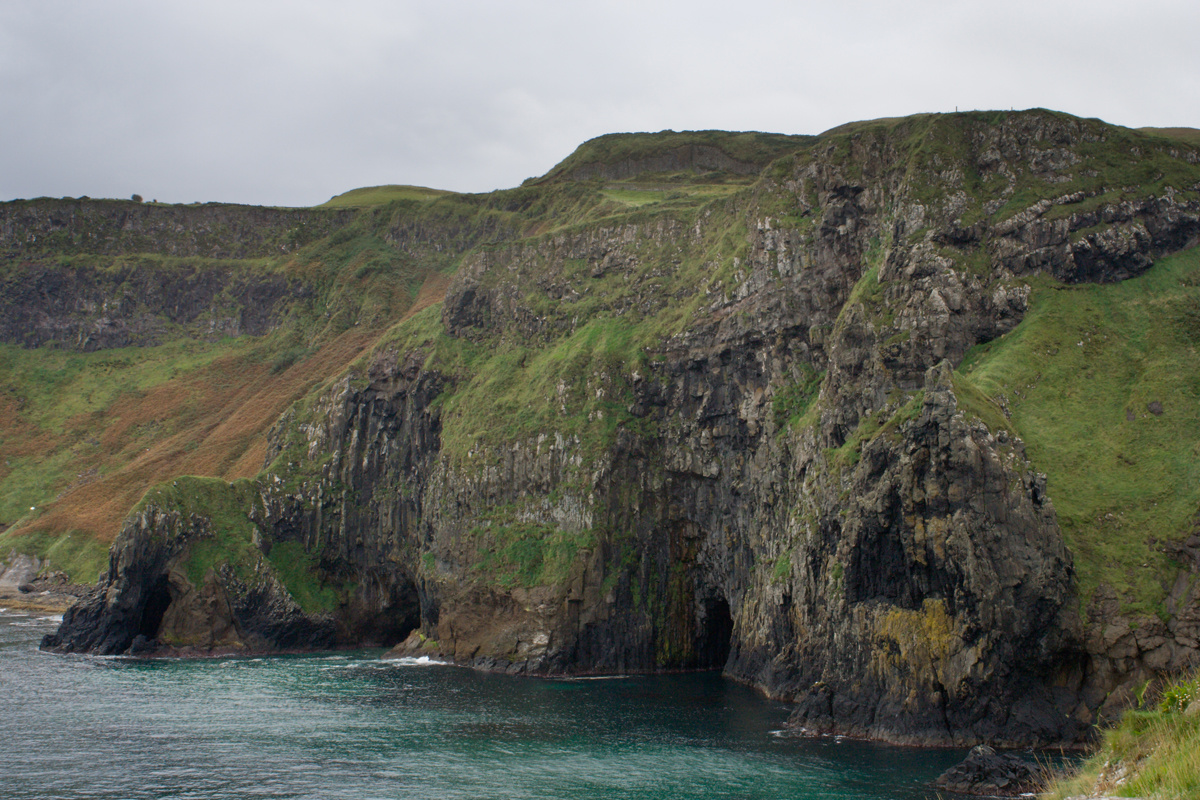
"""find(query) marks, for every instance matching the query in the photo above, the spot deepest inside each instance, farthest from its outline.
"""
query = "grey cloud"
(290, 103)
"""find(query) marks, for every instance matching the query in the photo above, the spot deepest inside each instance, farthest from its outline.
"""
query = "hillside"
(896, 422)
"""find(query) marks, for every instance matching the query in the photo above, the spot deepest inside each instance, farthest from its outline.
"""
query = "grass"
(298, 571)
(792, 400)
(77, 553)
(381, 195)
(528, 554)
(1080, 376)
(84, 434)
(578, 387)
(1188, 135)
(225, 508)
(750, 147)
(1152, 754)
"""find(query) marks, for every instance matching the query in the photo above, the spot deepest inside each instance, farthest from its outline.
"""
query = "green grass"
(30, 481)
(749, 147)
(579, 386)
(792, 400)
(381, 195)
(634, 197)
(1188, 135)
(76, 553)
(528, 554)
(298, 571)
(1083, 362)
(53, 386)
(782, 568)
(1158, 752)
(226, 508)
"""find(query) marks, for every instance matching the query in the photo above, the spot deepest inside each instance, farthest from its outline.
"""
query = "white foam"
(419, 661)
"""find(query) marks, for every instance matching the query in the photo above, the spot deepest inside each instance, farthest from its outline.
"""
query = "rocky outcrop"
(82, 308)
(119, 227)
(790, 484)
(148, 603)
(987, 773)
(28, 582)
(119, 291)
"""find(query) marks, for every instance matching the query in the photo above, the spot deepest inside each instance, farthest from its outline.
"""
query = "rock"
(142, 645)
(892, 565)
(985, 772)
(20, 571)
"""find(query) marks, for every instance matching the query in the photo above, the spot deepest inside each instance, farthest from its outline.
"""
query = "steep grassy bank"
(1103, 384)
(1152, 753)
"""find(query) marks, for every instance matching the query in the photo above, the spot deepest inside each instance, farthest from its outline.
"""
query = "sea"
(354, 725)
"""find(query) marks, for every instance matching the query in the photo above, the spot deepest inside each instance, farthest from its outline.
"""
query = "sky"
(290, 103)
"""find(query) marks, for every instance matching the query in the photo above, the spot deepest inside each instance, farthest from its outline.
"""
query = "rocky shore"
(21, 587)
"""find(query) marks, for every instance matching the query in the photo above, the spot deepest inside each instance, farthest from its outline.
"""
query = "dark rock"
(893, 566)
(142, 645)
(987, 773)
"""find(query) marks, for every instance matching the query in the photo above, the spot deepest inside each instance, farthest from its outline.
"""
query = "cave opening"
(715, 634)
(158, 598)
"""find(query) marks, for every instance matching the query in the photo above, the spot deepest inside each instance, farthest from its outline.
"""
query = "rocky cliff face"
(113, 294)
(115, 227)
(755, 456)
(139, 304)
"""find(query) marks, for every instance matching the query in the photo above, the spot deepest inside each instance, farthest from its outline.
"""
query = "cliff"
(785, 428)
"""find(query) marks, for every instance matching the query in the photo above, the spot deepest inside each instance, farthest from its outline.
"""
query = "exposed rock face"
(46, 301)
(147, 603)
(114, 227)
(987, 773)
(85, 309)
(693, 157)
(877, 553)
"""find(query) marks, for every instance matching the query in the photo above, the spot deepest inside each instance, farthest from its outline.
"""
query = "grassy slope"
(381, 195)
(1079, 375)
(1153, 753)
(82, 444)
(749, 147)
(82, 435)
(1189, 135)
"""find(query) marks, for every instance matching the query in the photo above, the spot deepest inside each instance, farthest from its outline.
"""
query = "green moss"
(1080, 375)
(792, 400)
(782, 569)
(223, 508)
(299, 571)
(528, 554)
(75, 552)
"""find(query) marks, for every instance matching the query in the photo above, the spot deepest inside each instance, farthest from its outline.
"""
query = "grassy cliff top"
(381, 195)
(1189, 135)
(746, 152)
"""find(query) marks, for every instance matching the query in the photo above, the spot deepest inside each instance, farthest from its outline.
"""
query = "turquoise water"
(349, 725)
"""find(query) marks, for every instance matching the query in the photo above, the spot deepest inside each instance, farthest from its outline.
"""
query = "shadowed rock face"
(883, 559)
(45, 300)
(83, 309)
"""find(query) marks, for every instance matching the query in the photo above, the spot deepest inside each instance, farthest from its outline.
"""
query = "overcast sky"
(289, 103)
